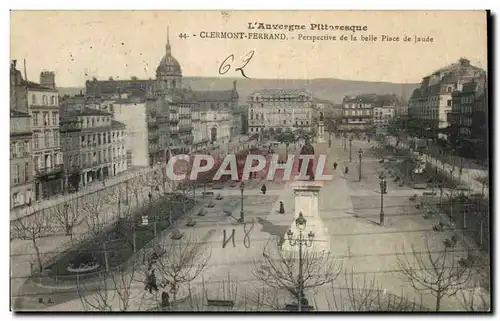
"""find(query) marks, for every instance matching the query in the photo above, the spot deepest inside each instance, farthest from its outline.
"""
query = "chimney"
(48, 79)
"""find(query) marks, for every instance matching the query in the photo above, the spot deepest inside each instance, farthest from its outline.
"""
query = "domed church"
(169, 72)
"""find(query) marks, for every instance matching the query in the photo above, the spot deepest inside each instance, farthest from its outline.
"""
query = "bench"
(220, 303)
(208, 193)
(295, 307)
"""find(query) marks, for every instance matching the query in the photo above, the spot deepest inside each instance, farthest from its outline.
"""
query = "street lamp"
(383, 190)
(301, 222)
(350, 149)
(242, 214)
(360, 155)
(66, 218)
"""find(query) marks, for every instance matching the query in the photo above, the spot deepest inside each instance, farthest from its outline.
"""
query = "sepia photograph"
(250, 161)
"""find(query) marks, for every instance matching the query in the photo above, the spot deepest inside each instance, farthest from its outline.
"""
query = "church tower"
(169, 72)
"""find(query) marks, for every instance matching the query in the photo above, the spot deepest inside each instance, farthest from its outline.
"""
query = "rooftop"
(86, 111)
(116, 124)
(35, 86)
(280, 92)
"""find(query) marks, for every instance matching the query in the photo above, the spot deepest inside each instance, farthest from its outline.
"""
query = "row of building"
(451, 105)
(63, 143)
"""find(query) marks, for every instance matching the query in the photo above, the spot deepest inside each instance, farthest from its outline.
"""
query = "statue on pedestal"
(308, 149)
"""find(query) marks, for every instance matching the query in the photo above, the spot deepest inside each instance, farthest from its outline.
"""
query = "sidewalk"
(468, 175)
(18, 213)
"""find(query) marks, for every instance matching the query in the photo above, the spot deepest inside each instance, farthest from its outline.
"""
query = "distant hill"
(329, 89)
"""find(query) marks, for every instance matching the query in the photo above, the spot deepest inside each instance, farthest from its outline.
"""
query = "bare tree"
(117, 195)
(368, 296)
(281, 269)
(94, 205)
(475, 299)
(485, 181)
(32, 227)
(439, 272)
(113, 291)
(136, 187)
(67, 215)
(179, 262)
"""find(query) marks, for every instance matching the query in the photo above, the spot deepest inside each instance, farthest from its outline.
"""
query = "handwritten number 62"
(226, 64)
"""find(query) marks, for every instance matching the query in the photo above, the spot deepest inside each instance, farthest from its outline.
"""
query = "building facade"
(357, 114)
(43, 106)
(93, 143)
(21, 162)
(385, 110)
(469, 120)
(431, 103)
(280, 110)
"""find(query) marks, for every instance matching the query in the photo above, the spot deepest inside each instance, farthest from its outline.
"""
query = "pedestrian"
(264, 189)
(282, 208)
(165, 299)
(346, 170)
(154, 286)
(335, 165)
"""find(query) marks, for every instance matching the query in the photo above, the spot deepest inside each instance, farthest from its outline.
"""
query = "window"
(20, 148)
(26, 171)
(53, 100)
(33, 99)
(35, 141)
(55, 139)
(15, 174)
(284, 122)
(46, 119)
(45, 100)
(55, 119)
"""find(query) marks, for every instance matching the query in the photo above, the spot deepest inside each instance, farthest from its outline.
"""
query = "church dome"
(169, 66)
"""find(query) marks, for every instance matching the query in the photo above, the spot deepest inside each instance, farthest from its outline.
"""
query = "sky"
(79, 45)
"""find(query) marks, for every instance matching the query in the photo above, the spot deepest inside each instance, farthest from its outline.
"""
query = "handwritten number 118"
(226, 64)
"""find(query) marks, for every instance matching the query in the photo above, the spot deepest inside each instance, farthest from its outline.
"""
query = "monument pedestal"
(307, 203)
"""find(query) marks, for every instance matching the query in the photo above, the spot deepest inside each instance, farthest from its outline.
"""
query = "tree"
(484, 180)
(136, 187)
(368, 297)
(113, 291)
(280, 269)
(116, 195)
(475, 298)
(67, 215)
(32, 227)
(178, 262)
(436, 271)
(94, 205)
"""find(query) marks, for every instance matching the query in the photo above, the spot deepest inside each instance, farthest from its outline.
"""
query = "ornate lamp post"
(301, 222)
(383, 190)
(350, 149)
(360, 155)
(242, 213)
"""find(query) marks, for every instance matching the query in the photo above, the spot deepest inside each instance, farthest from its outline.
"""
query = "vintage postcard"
(249, 161)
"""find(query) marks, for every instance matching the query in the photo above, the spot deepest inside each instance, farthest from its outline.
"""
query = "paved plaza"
(348, 208)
